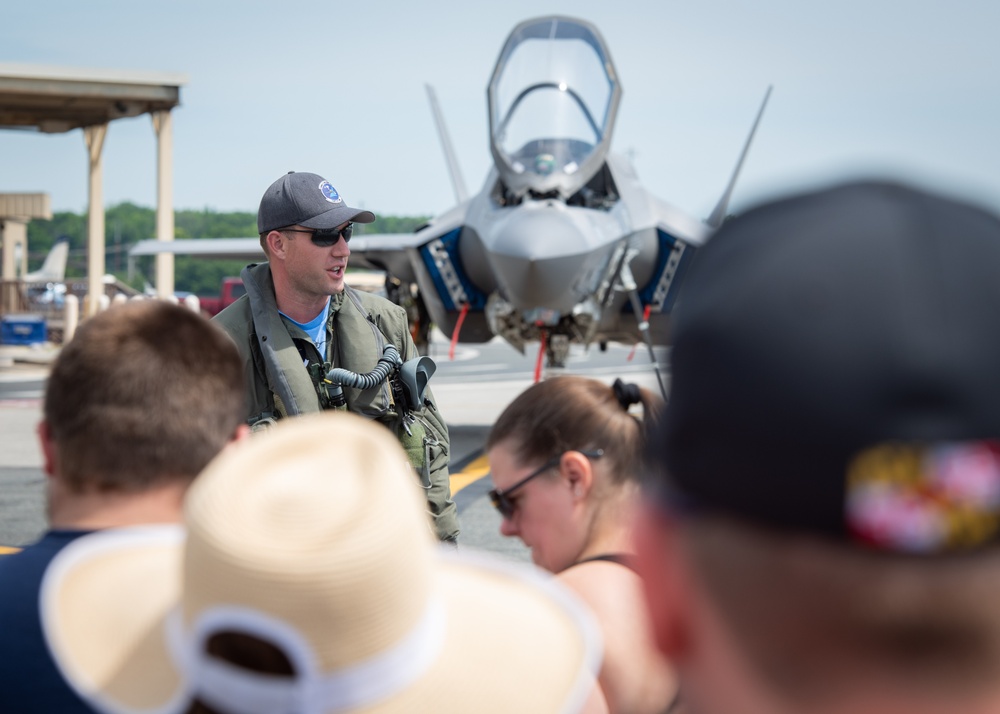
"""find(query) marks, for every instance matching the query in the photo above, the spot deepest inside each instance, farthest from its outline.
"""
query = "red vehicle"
(232, 289)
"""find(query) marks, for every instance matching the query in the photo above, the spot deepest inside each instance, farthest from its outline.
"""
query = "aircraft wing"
(374, 250)
(389, 252)
(400, 253)
(676, 222)
(231, 248)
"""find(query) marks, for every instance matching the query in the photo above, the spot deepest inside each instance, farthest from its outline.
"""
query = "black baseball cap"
(308, 200)
(836, 370)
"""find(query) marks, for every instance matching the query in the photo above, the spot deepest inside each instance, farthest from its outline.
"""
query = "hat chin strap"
(235, 690)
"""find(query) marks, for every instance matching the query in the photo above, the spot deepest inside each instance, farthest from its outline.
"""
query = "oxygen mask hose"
(338, 377)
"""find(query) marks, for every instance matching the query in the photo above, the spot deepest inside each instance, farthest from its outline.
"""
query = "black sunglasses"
(501, 498)
(324, 239)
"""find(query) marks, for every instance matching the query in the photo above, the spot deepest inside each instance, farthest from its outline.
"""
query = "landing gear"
(406, 296)
(557, 350)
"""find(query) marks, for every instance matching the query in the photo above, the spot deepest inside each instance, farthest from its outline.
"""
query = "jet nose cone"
(541, 258)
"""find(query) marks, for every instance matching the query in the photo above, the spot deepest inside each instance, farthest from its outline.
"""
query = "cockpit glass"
(551, 97)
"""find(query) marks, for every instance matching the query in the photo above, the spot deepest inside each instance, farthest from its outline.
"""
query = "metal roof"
(58, 99)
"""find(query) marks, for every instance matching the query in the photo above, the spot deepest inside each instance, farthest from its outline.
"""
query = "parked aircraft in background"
(562, 244)
(45, 288)
(53, 267)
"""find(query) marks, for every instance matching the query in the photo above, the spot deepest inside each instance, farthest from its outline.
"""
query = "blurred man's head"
(145, 393)
(829, 501)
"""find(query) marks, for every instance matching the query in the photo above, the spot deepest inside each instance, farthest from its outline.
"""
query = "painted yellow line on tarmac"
(470, 474)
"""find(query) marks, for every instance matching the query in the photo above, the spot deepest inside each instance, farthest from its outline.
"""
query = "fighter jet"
(562, 245)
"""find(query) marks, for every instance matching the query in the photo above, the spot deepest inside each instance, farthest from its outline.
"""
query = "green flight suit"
(274, 351)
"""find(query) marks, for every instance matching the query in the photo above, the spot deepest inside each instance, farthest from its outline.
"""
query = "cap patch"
(925, 498)
(330, 193)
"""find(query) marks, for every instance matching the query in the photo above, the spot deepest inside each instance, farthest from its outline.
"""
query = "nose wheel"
(557, 350)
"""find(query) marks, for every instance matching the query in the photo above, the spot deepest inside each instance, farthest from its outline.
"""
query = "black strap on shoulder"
(620, 558)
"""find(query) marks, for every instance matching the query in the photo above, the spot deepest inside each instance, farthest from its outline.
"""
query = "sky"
(907, 89)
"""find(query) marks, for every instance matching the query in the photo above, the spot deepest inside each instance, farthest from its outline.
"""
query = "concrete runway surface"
(471, 391)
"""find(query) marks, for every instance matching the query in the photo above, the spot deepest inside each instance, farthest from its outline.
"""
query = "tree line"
(126, 224)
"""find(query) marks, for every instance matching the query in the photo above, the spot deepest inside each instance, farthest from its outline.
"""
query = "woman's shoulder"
(634, 677)
(607, 583)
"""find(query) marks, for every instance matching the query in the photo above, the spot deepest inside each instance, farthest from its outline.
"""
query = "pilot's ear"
(276, 243)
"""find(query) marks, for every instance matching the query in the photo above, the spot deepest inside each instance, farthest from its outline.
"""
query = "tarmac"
(20, 358)
(22, 481)
(471, 391)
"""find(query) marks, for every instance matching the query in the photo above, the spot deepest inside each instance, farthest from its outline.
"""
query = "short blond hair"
(811, 615)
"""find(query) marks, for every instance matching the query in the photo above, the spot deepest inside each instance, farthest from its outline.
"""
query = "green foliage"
(42, 234)
(126, 224)
(392, 224)
(203, 277)
(208, 224)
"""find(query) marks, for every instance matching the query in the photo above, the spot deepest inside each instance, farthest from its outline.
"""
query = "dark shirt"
(29, 679)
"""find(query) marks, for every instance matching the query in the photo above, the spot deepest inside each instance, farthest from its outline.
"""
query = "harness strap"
(622, 559)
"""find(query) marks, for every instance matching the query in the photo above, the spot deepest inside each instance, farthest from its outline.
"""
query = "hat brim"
(337, 217)
(515, 640)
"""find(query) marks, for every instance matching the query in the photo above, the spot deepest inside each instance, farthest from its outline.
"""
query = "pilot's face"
(313, 269)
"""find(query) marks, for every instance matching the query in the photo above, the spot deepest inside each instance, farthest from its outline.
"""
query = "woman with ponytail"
(566, 458)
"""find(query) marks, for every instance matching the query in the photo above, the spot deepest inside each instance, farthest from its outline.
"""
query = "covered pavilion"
(61, 99)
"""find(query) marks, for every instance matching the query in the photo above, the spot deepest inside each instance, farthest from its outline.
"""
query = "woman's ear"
(578, 472)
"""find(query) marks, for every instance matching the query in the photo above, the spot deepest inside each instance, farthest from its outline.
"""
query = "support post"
(163, 124)
(94, 136)
(14, 233)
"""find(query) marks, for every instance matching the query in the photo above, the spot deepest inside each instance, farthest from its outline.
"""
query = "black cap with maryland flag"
(836, 370)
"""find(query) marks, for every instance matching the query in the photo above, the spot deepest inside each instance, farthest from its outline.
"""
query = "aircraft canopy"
(552, 102)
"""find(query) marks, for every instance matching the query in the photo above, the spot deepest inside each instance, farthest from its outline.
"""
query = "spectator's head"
(565, 456)
(823, 526)
(309, 581)
(145, 393)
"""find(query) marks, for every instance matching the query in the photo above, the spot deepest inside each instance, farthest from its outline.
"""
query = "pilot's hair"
(263, 244)
(813, 618)
(144, 393)
(576, 413)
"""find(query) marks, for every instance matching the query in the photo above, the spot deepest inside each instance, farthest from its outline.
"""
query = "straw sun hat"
(313, 538)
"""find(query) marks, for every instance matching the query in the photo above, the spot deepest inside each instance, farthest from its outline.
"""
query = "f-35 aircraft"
(562, 244)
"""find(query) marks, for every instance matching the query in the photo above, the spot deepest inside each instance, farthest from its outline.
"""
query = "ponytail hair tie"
(626, 394)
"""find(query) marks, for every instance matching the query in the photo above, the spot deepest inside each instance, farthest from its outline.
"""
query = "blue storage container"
(23, 329)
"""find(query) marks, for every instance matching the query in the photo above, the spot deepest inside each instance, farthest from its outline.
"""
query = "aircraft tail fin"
(719, 214)
(54, 267)
(457, 182)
